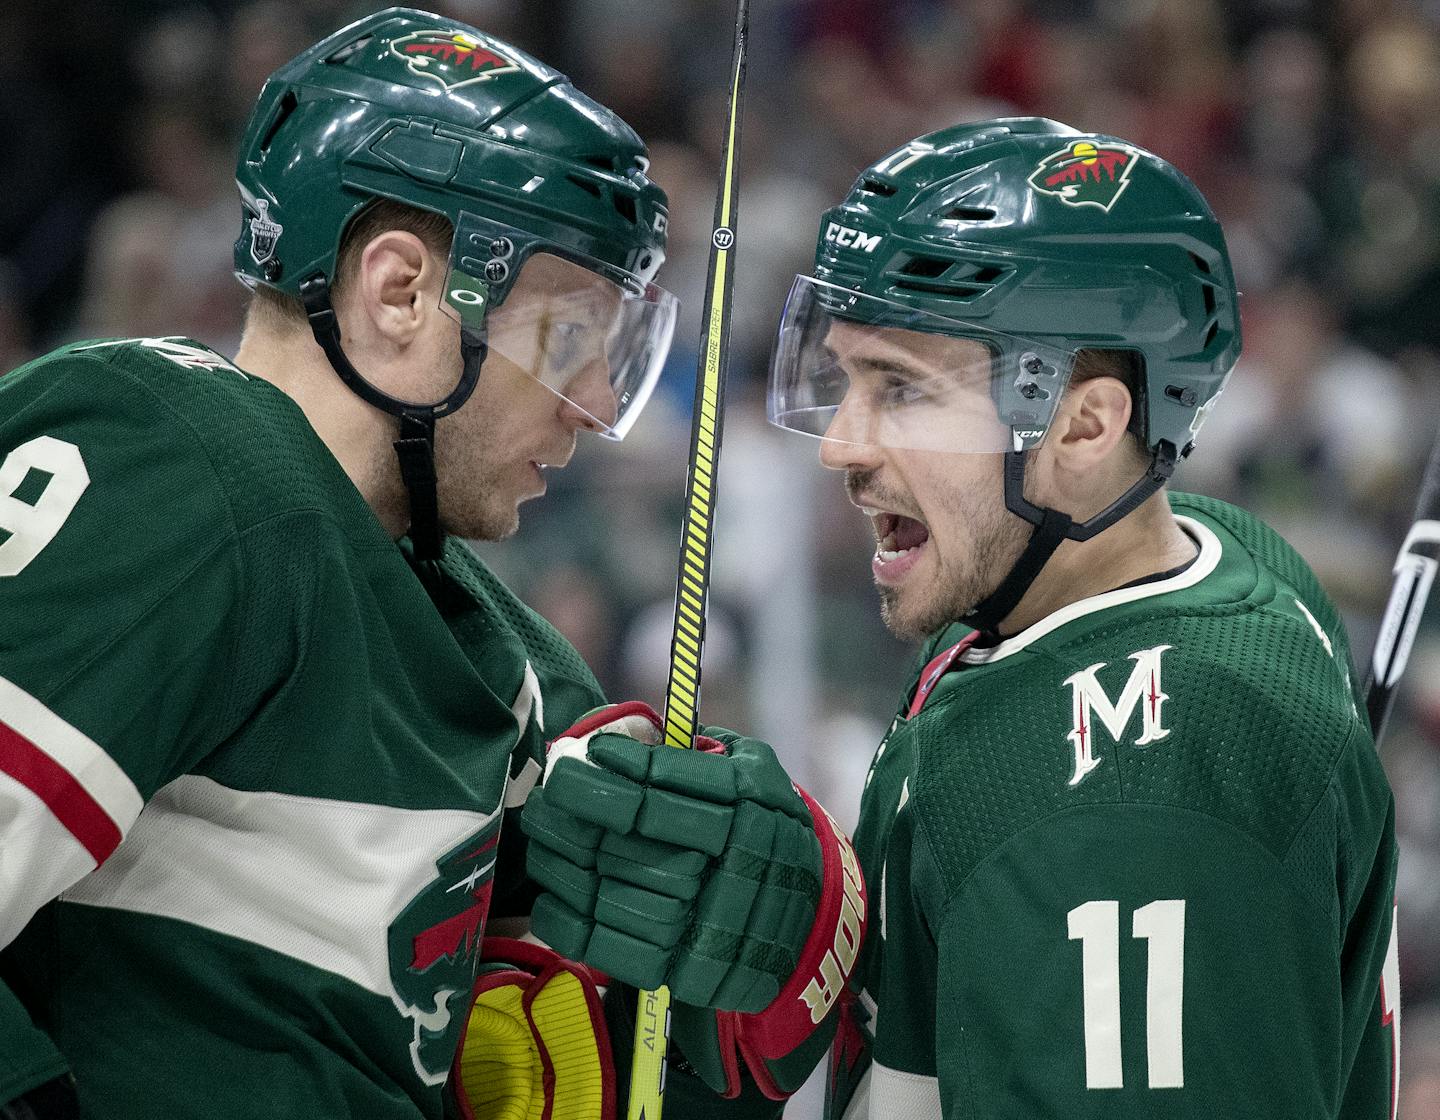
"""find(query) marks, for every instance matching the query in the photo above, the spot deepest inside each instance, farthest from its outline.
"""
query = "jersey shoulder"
(171, 414)
(1271, 553)
(1227, 696)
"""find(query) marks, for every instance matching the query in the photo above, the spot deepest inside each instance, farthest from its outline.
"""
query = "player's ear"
(397, 285)
(1090, 425)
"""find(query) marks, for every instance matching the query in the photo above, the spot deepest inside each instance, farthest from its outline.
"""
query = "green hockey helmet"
(1029, 241)
(546, 190)
(955, 284)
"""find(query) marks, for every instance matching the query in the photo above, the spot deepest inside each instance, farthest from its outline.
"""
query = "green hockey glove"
(706, 870)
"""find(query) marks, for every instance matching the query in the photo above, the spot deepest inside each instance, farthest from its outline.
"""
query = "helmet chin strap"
(416, 446)
(1052, 528)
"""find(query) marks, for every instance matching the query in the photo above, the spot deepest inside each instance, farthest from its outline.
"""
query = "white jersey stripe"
(317, 880)
(39, 857)
(1203, 565)
(897, 1095)
(73, 751)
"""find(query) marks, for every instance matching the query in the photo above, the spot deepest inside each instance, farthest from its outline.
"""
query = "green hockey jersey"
(253, 773)
(1136, 861)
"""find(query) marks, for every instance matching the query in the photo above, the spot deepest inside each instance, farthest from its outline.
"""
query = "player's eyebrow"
(874, 363)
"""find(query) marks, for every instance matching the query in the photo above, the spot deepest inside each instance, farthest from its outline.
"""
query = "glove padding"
(534, 1043)
(699, 869)
(705, 870)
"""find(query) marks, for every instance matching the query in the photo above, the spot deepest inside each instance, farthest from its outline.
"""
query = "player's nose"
(589, 401)
(848, 439)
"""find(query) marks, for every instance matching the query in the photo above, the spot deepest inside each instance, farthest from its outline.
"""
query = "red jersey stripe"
(65, 797)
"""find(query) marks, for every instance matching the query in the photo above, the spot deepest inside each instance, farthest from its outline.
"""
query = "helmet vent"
(1209, 299)
(970, 213)
(625, 206)
(350, 50)
(604, 163)
(875, 186)
(288, 104)
(926, 267)
(1200, 263)
(956, 279)
(585, 184)
(1210, 335)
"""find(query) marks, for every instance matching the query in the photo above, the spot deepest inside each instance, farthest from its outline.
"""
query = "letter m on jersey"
(1092, 708)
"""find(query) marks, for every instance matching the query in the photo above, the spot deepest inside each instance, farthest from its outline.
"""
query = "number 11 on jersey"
(1096, 925)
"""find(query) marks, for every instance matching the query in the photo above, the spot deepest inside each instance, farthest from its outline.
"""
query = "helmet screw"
(1185, 395)
(502, 247)
(1029, 390)
(496, 271)
(272, 269)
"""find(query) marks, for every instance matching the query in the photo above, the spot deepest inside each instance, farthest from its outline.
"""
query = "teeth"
(887, 555)
(870, 512)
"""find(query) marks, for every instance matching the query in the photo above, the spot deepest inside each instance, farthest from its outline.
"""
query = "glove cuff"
(826, 962)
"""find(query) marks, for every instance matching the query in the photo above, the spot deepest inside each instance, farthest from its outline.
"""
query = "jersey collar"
(1205, 563)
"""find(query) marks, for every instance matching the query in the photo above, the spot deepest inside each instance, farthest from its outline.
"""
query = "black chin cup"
(1053, 527)
(416, 446)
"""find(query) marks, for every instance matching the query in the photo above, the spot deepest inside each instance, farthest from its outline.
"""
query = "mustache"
(862, 481)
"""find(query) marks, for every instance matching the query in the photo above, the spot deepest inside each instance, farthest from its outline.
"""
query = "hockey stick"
(1415, 569)
(682, 690)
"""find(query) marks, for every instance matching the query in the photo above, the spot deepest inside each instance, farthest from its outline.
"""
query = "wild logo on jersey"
(1091, 700)
(435, 949)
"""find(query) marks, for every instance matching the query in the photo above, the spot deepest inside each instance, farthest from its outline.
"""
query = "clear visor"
(861, 369)
(596, 341)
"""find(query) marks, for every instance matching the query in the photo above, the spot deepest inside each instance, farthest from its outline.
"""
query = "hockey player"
(1129, 842)
(254, 755)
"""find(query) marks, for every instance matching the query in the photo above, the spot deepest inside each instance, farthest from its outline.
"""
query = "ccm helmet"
(431, 113)
(1010, 245)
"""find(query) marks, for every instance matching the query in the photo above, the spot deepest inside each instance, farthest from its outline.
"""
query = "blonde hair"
(283, 313)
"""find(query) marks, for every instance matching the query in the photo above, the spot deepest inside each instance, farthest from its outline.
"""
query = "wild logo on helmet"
(451, 58)
(1085, 174)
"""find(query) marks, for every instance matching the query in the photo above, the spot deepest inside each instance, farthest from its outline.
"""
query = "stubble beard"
(471, 503)
(997, 538)
(470, 475)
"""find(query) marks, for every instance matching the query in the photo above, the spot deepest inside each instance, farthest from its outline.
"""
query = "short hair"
(283, 312)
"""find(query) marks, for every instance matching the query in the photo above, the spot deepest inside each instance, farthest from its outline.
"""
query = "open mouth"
(896, 535)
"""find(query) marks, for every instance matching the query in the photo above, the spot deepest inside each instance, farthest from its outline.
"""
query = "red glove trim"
(826, 961)
(597, 1021)
(609, 714)
(706, 745)
(725, 1023)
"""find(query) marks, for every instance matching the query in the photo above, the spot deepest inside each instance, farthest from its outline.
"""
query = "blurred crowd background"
(1313, 128)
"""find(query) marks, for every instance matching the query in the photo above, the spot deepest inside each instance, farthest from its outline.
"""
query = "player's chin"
(496, 523)
(901, 615)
